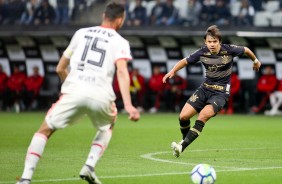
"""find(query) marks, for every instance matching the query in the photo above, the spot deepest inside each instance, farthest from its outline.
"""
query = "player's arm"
(62, 68)
(124, 83)
(252, 56)
(179, 65)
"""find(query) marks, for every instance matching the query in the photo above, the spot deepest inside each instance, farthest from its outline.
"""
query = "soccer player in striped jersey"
(212, 95)
(93, 56)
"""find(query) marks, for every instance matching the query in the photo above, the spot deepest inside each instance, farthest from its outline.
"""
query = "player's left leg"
(99, 145)
(104, 119)
(214, 105)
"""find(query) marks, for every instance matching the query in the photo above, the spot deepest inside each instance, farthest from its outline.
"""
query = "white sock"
(272, 99)
(98, 147)
(33, 154)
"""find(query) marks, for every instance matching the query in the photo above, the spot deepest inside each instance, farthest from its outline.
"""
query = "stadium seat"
(4, 62)
(157, 54)
(272, 5)
(235, 8)
(34, 62)
(15, 52)
(144, 66)
(262, 19)
(278, 68)
(276, 19)
(149, 7)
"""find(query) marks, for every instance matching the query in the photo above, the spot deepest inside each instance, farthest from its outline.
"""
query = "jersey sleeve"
(72, 46)
(194, 57)
(122, 51)
(236, 50)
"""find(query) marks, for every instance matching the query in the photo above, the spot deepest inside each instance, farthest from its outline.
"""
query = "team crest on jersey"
(224, 59)
(233, 46)
(193, 98)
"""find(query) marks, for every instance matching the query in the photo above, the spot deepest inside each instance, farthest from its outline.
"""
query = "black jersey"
(218, 67)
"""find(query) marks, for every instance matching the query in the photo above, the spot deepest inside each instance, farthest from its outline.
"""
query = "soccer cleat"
(23, 181)
(87, 173)
(176, 148)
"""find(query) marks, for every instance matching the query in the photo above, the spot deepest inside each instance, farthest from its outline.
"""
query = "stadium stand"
(150, 46)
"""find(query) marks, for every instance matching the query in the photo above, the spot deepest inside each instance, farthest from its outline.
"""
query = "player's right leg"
(186, 113)
(34, 152)
(65, 111)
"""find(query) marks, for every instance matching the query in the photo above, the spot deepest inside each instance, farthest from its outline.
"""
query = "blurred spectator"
(79, 5)
(246, 14)
(3, 12)
(275, 101)
(3, 85)
(156, 12)
(62, 12)
(222, 15)
(44, 14)
(14, 91)
(137, 89)
(234, 90)
(138, 17)
(169, 15)
(258, 4)
(265, 86)
(15, 11)
(156, 89)
(33, 85)
(174, 89)
(127, 14)
(28, 15)
(192, 12)
(208, 10)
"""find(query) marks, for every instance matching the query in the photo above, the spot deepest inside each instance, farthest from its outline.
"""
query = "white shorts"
(70, 108)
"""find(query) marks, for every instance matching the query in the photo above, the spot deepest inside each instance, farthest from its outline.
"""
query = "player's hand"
(168, 75)
(134, 114)
(256, 66)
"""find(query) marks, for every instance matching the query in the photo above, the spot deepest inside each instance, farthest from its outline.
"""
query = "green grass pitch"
(244, 149)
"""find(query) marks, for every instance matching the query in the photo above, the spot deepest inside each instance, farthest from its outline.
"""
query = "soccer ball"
(203, 174)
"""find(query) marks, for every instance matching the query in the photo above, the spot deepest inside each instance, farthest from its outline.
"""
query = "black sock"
(184, 127)
(193, 134)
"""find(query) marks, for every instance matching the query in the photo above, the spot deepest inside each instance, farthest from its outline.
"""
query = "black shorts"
(203, 96)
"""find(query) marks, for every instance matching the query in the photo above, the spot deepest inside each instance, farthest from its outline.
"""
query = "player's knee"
(46, 130)
(184, 117)
(206, 115)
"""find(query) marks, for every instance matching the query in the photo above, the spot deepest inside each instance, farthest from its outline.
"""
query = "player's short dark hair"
(114, 10)
(214, 32)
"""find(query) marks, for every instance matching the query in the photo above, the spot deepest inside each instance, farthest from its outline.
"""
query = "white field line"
(150, 157)
(139, 175)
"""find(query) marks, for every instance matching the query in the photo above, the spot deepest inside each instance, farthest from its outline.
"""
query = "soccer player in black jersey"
(212, 95)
